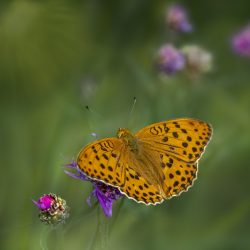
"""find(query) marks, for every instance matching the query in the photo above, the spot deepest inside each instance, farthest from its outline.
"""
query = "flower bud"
(53, 209)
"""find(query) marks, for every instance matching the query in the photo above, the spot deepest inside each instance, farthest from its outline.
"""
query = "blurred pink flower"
(241, 42)
(177, 19)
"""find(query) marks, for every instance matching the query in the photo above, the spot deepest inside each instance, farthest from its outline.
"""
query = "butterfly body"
(128, 139)
(136, 149)
(158, 162)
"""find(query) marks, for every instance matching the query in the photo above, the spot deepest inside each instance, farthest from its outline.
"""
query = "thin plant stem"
(117, 214)
(44, 238)
(95, 237)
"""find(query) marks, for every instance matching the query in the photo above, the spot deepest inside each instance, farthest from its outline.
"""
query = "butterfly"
(158, 162)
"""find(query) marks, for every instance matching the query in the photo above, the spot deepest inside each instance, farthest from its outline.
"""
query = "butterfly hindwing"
(138, 189)
(179, 176)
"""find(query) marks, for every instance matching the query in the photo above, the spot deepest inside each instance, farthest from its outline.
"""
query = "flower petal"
(105, 203)
(77, 176)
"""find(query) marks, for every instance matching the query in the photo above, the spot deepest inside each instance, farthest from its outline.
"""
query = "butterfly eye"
(120, 132)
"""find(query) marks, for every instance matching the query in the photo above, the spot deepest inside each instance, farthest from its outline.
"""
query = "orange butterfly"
(158, 162)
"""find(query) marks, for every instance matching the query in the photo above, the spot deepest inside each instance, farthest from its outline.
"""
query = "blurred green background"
(56, 57)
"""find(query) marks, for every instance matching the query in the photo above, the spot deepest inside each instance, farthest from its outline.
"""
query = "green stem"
(117, 214)
(44, 238)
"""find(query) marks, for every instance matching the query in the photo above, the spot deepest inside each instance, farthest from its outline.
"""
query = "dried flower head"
(177, 19)
(104, 193)
(169, 59)
(53, 209)
(241, 42)
(198, 60)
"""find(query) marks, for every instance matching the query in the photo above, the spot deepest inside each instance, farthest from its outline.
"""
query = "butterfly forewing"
(184, 139)
(101, 161)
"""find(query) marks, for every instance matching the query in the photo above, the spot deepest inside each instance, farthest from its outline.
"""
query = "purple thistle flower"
(104, 193)
(177, 19)
(53, 209)
(170, 60)
(45, 202)
(241, 42)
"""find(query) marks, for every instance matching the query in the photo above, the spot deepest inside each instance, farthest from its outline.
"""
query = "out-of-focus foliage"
(56, 57)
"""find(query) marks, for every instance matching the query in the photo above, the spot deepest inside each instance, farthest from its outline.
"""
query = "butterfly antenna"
(131, 111)
(93, 112)
(90, 121)
(133, 107)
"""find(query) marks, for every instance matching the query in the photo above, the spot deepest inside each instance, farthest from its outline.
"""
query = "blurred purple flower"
(241, 42)
(104, 193)
(169, 59)
(177, 19)
(53, 209)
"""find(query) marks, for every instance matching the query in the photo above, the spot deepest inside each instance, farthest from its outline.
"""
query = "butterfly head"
(123, 133)
(128, 138)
